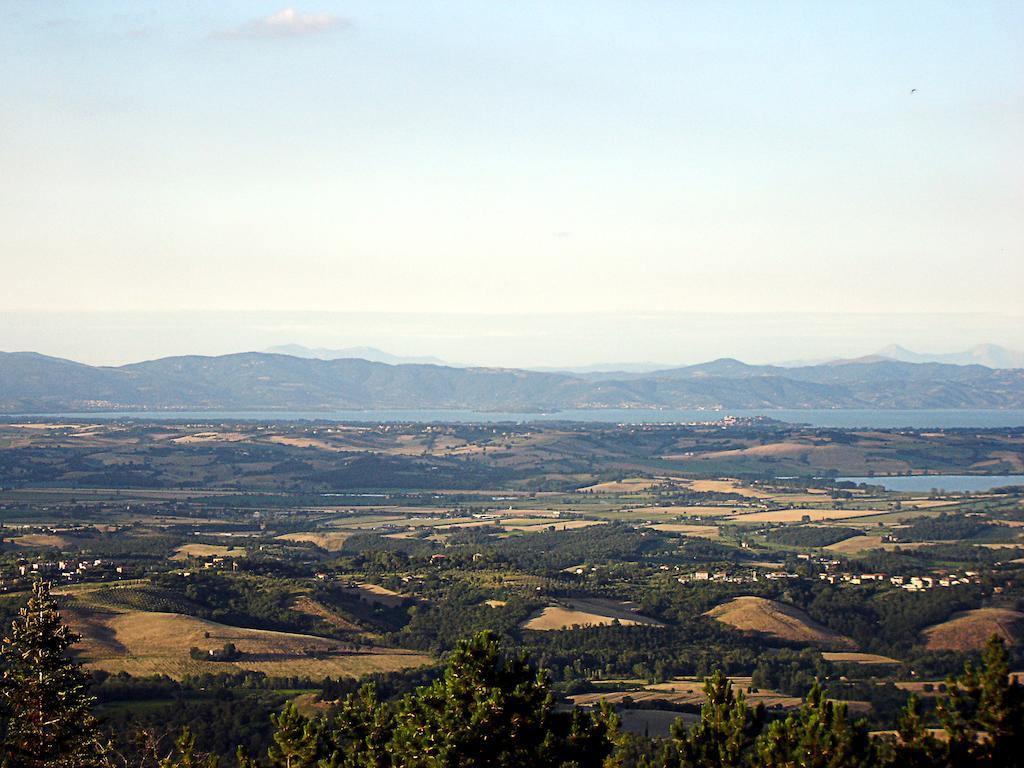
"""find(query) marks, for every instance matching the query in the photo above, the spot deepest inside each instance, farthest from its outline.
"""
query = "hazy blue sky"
(518, 158)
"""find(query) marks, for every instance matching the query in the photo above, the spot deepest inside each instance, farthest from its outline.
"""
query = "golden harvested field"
(185, 551)
(367, 522)
(145, 643)
(513, 513)
(448, 526)
(587, 613)
(330, 541)
(857, 658)
(210, 437)
(925, 503)
(771, 699)
(856, 544)
(796, 515)
(434, 520)
(43, 426)
(629, 485)
(40, 540)
(687, 690)
(790, 450)
(697, 531)
(558, 525)
(785, 622)
(306, 442)
(527, 520)
(375, 593)
(799, 498)
(307, 605)
(970, 630)
(693, 511)
(727, 486)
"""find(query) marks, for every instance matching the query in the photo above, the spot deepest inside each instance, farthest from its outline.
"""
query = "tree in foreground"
(185, 754)
(982, 715)
(296, 740)
(818, 735)
(490, 710)
(361, 732)
(487, 711)
(723, 737)
(44, 694)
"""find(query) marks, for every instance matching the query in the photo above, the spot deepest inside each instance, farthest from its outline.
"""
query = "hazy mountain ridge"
(373, 354)
(33, 383)
(989, 355)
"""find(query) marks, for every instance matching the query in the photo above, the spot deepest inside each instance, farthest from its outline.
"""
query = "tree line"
(494, 709)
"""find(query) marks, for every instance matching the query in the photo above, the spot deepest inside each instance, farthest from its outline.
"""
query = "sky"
(477, 179)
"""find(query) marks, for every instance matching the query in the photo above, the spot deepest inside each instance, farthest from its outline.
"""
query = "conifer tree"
(296, 740)
(362, 729)
(1001, 707)
(983, 714)
(725, 733)
(44, 694)
(593, 739)
(489, 711)
(915, 747)
(243, 760)
(185, 746)
(819, 735)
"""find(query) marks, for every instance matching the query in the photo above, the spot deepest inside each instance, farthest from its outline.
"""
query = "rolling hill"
(970, 630)
(34, 383)
(779, 621)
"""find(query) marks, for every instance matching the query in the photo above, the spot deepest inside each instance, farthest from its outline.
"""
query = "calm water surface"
(949, 483)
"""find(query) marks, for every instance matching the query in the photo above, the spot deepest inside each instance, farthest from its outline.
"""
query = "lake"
(874, 419)
(948, 483)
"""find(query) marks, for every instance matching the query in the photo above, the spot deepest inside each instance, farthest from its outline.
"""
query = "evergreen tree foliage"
(915, 747)
(490, 711)
(44, 694)
(362, 730)
(243, 760)
(296, 740)
(819, 735)
(723, 737)
(982, 715)
(487, 711)
(185, 746)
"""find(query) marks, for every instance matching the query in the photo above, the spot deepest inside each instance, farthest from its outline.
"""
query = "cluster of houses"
(214, 562)
(733, 578)
(69, 570)
(909, 583)
(918, 583)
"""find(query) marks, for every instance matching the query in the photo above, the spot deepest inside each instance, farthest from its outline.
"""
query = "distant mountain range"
(372, 354)
(34, 383)
(990, 355)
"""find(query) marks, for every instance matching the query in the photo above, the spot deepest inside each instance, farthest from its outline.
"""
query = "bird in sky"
(913, 91)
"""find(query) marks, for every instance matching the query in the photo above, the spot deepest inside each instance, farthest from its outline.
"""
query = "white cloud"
(287, 23)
